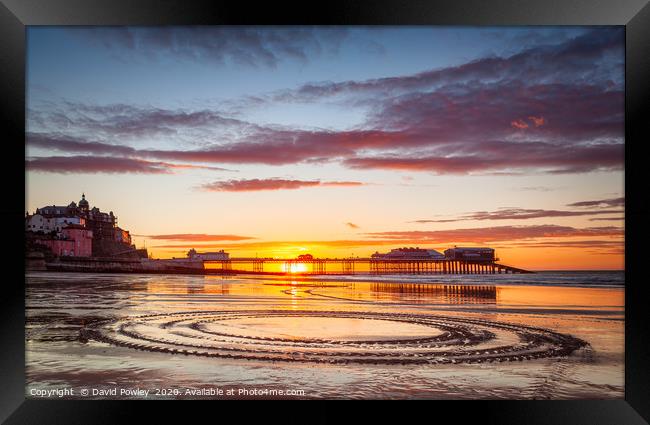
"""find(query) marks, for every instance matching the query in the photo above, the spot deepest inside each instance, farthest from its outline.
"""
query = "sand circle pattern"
(333, 337)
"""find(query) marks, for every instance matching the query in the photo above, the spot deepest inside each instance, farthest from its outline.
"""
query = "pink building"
(60, 247)
(75, 241)
(82, 238)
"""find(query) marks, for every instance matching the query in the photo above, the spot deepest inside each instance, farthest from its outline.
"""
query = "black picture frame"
(15, 15)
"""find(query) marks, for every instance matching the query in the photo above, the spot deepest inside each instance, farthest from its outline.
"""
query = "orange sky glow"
(532, 254)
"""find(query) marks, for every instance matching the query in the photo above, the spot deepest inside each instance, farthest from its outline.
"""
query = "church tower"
(83, 204)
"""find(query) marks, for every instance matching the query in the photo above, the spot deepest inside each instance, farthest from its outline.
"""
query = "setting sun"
(294, 267)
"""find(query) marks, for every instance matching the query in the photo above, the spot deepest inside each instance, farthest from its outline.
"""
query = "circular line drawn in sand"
(333, 337)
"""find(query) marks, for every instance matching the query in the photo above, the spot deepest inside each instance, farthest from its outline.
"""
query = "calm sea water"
(475, 336)
(560, 278)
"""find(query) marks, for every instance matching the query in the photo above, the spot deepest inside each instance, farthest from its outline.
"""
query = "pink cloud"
(519, 124)
(342, 184)
(270, 184)
(199, 237)
(538, 121)
(90, 164)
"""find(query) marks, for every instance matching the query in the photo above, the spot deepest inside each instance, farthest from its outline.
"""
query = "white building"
(38, 223)
(58, 223)
(41, 223)
(409, 254)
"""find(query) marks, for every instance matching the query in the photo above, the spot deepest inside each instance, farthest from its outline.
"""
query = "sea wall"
(35, 261)
(110, 248)
(114, 265)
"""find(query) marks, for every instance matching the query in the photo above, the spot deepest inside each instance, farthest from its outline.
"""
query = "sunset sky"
(337, 141)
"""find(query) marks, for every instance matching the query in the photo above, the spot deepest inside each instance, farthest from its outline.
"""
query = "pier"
(278, 266)
(350, 266)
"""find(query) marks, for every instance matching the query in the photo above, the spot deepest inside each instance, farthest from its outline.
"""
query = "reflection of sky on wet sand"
(59, 305)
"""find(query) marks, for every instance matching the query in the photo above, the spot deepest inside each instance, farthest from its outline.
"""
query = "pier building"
(411, 253)
(208, 256)
(471, 254)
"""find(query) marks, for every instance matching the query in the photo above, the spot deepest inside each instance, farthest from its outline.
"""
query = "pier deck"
(363, 265)
(321, 266)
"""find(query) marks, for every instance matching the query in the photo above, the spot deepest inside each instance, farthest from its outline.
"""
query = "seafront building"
(411, 253)
(79, 231)
(471, 254)
(73, 240)
(208, 256)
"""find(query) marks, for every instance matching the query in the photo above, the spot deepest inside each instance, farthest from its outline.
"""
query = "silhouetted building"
(411, 253)
(208, 256)
(470, 254)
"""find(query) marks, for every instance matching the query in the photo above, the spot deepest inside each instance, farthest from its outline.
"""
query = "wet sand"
(322, 338)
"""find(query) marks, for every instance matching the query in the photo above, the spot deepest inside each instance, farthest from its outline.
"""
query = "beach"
(548, 335)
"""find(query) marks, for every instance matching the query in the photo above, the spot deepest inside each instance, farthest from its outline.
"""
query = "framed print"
(375, 201)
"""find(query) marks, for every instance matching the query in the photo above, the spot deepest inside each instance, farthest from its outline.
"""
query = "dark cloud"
(613, 202)
(76, 145)
(286, 147)
(602, 244)
(503, 156)
(553, 108)
(499, 233)
(278, 147)
(251, 46)
(90, 164)
(262, 146)
(478, 120)
(105, 164)
(520, 214)
(576, 60)
(130, 122)
(127, 154)
(270, 184)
